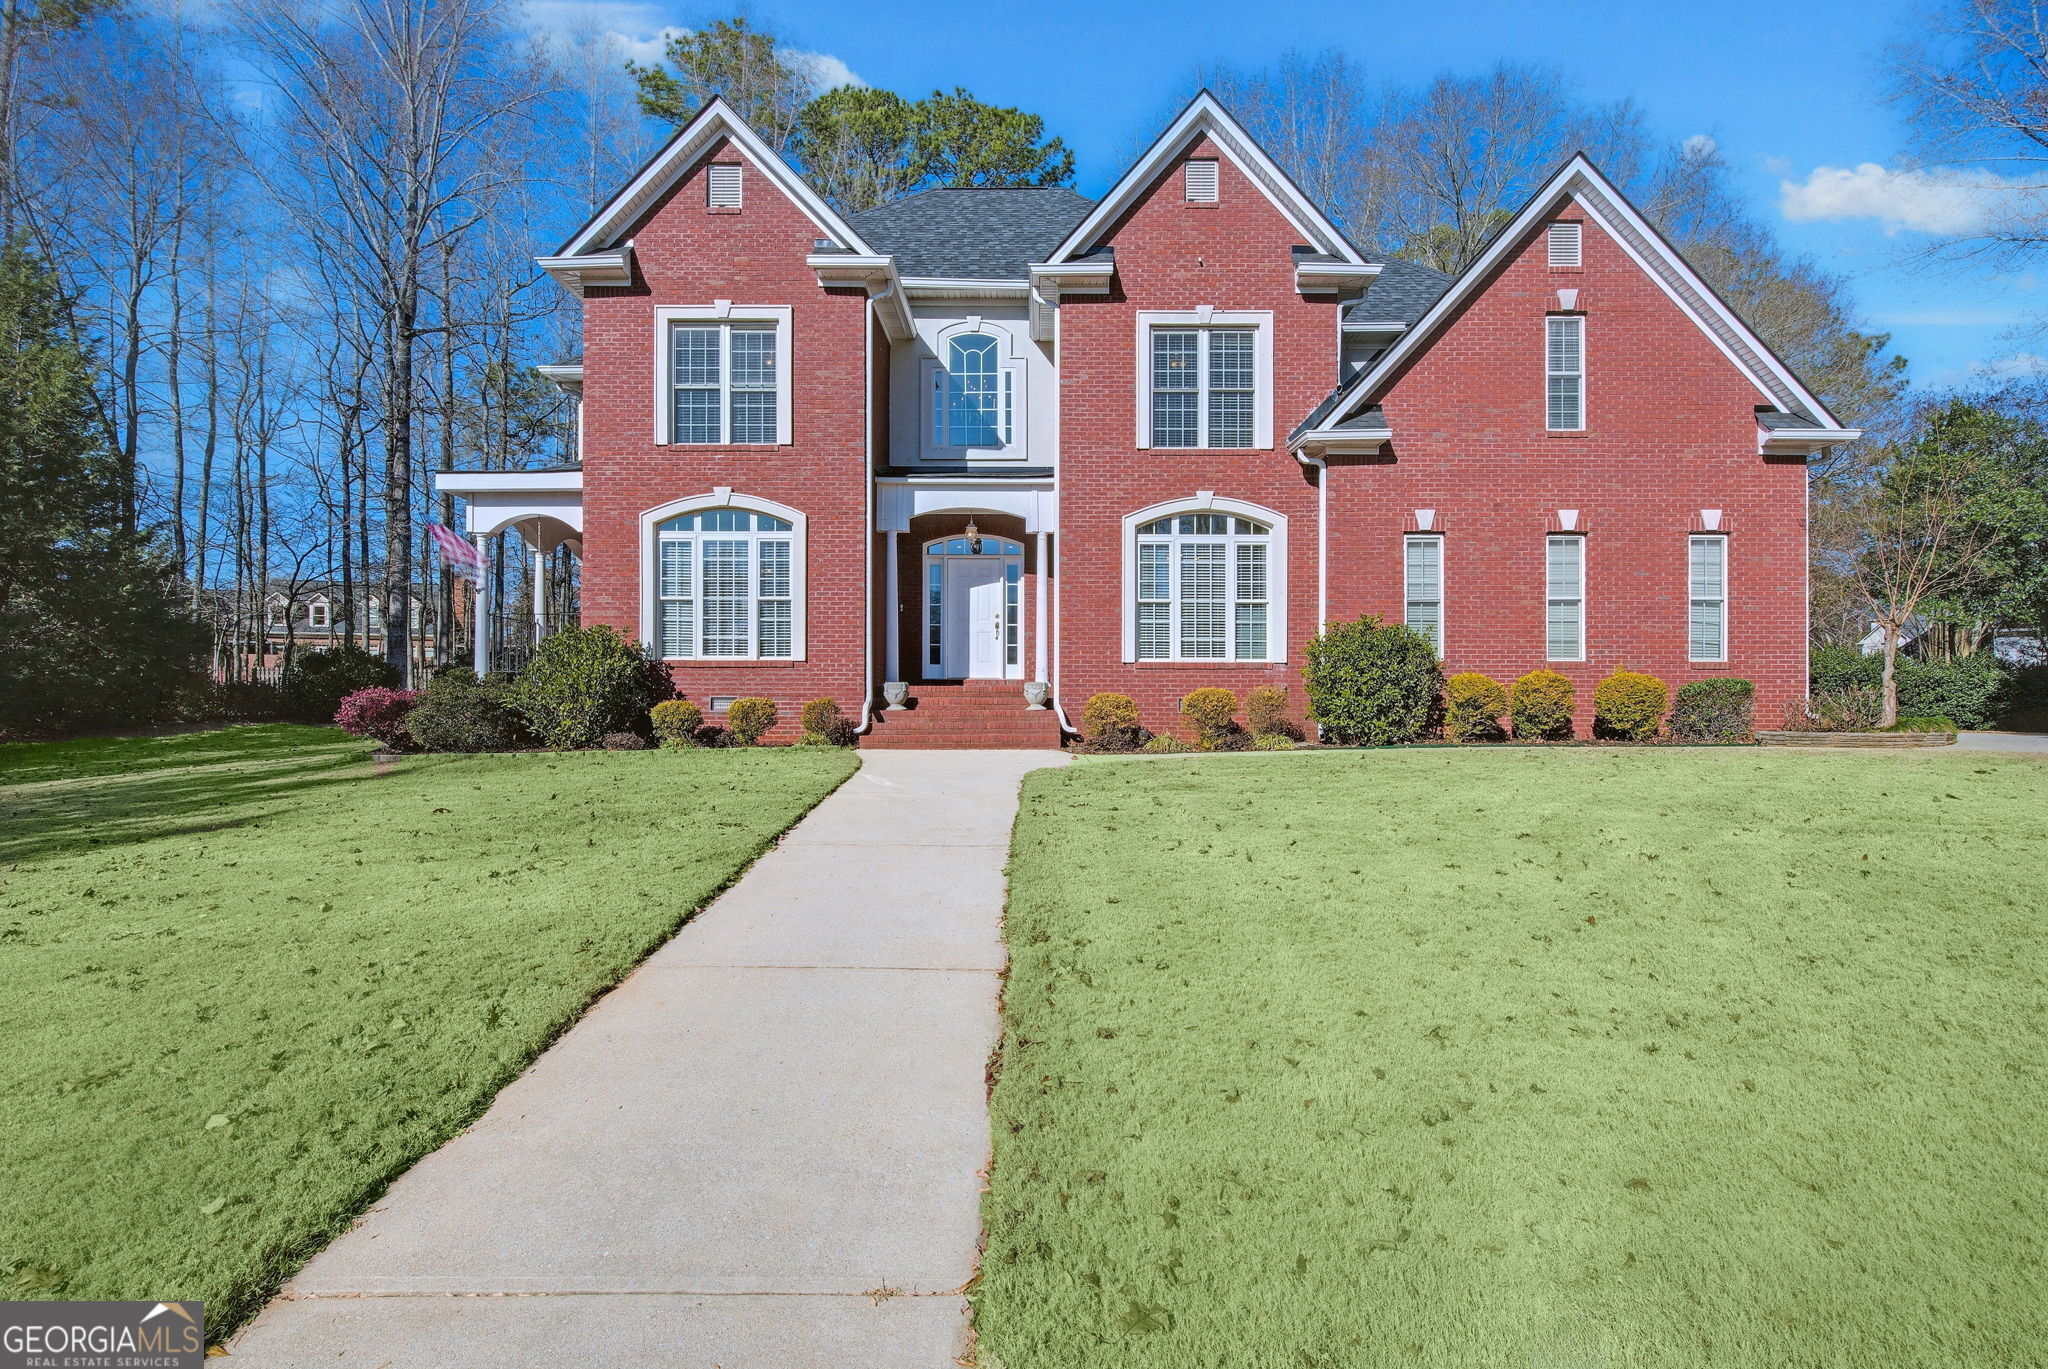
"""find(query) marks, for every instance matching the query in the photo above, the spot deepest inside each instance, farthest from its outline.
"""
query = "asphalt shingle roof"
(972, 232)
(1402, 293)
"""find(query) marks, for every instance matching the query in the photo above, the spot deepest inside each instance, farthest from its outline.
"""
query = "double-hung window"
(973, 395)
(1707, 592)
(1565, 598)
(725, 383)
(1204, 387)
(1203, 588)
(724, 582)
(1564, 365)
(1424, 575)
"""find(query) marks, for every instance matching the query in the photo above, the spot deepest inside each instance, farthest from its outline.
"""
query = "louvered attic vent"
(1564, 244)
(724, 183)
(1201, 174)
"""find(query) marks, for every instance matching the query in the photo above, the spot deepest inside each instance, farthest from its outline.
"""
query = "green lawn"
(1583, 1058)
(245, 980)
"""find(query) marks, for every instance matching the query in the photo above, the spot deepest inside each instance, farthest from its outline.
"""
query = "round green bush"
(749, 719)
(316, 682)
(675, 722)
(1717, 710)
(1540, 705)
(1266, 713)
(1372, 683)
(584, 682)
(456, 712)
(826, 724)
(1109, 719)
(1473, 707)
(1629, 706)
(1214, 712)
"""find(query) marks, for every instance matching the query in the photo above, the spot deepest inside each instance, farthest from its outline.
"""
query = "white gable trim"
(1579, 181)
(1205, 115)
(682, 152)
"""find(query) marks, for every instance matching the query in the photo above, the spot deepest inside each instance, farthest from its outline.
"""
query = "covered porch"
(544, 508)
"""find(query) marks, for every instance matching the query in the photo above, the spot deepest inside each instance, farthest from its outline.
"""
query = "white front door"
(975, 607)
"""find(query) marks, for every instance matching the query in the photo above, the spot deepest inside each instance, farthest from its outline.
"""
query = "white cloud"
(638, 30)
(2014, 366)
(828, 71)
(1945, 202)
(1699, 147)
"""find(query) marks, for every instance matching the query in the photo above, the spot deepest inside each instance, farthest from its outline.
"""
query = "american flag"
(460, 556)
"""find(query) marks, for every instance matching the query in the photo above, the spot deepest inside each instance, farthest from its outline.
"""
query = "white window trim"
(1010, 365)
(718, 311)
(1276, 574)
(1722, 539)
(1259, 320)
(799, 555)
(318, 614)
(1407, 592)
(1579, 540)
(1584, 406)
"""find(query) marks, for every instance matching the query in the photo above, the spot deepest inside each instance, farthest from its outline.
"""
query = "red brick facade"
(1671, 429)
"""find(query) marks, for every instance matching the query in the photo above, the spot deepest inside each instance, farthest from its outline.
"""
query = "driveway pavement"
(761, 1151)
(2012, 743)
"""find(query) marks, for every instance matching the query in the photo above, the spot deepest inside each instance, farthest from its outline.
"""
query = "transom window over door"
(1203, 588)
(1204, 387)
(725, 382)
(725, 585)
(973, 395)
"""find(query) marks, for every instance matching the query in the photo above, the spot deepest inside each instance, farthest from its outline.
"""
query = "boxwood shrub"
(458, 712)
(1715, 710)
(584, 682)
(1473, 707)
(1214, 712)
(749, 719)
(1541, 705)
(1109, 722)
(1629, 706)
(1373, 683)
(675, 722)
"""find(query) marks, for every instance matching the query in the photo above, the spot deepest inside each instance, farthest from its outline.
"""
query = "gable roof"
(1402, 293)
(1578, 180)
(972, 232)
(1205, 116)
(715, 120)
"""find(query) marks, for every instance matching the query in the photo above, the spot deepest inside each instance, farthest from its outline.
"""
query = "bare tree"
(1312, 113)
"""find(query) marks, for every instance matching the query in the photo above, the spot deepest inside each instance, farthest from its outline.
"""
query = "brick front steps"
(959, 715)
(1870, 739)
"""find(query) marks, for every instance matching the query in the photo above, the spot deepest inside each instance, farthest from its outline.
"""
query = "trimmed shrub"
(1923, 725)
(1266, 713)
(1716, 710)
(825, 724)
(624, 741)
(1540, 705)
(1629, 706)
(1833, 668)
(1165, 744)
(749, 719)
(1372, 683)
(377, 713)
(1109, 722)
(316, 682)
(584, 682)
(675, 722)
(458, 712)
(1214, 712)
(1272, 741)
(1473, 707)
(1977, 691)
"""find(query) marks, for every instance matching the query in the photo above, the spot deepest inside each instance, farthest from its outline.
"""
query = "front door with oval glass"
(972, 590)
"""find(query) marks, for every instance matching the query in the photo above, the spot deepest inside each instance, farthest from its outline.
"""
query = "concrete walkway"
(2011, 743)
(761, 1151)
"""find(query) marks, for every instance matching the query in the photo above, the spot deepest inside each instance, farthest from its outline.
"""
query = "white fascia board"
(507, 482)
(591, 268)
(1575, 176)
(1321, 277)
(568, 377)
(1343, 441)
(1075, 277)
(946, 287)
(716, 119)
(1205, 114)
(1376, 326)
(1807, 440)
(874, 272)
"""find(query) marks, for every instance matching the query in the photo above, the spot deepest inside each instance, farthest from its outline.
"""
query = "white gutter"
(1060, 549)
(867, 531)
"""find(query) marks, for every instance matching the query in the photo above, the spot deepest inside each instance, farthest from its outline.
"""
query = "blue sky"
(1792, 92)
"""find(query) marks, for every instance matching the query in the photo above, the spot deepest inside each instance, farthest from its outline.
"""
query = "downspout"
(867, 531)
(1059, 536)
(1322, 469)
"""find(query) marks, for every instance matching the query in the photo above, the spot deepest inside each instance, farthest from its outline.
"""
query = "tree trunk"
(398, 404)
(1888, 708)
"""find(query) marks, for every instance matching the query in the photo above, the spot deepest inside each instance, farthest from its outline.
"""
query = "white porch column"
(1038, 633)
(892, 616)
(540, 583)
(480, 620)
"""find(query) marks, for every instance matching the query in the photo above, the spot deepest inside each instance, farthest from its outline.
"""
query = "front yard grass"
(246, 980)
(1533, 1058)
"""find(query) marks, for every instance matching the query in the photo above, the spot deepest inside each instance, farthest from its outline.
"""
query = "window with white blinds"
(1202, 183)
(1707, 593)
(1204, 387)
(1564, 368)
(722, 184)
(724, 382)
(1424, 574)
(1565, 244)
(1203, 588)
(724, 585)
(1565, 598)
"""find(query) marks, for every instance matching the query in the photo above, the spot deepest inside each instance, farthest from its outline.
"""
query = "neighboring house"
(308, 617)
(1151, 444)
(2015, 646)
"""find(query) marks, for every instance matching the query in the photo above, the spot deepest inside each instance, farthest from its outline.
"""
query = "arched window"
(725, 584)
(1207, 586)
(973, 400)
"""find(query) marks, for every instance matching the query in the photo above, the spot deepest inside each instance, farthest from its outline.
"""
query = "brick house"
(981, 446)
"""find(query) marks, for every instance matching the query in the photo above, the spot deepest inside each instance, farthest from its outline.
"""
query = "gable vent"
(723, 184)
(1201, 174)
(1564, 244)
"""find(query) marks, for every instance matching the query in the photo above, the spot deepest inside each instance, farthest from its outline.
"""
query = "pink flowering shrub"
(377, 712)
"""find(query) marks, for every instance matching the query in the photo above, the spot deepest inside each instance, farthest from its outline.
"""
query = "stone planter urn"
(1036, 693)
(895, 691)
